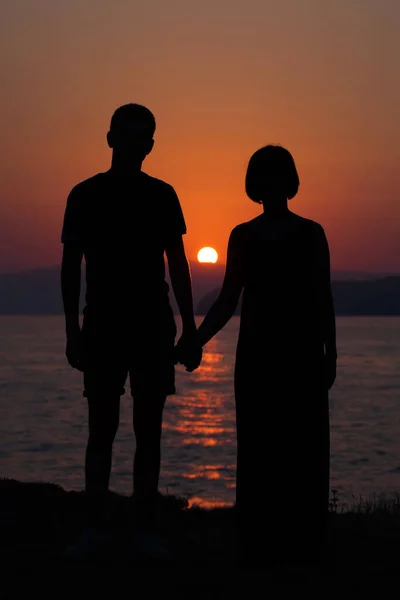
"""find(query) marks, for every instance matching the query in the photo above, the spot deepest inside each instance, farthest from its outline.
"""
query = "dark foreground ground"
(38, 521)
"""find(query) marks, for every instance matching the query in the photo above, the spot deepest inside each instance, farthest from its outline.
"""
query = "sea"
(43, 415)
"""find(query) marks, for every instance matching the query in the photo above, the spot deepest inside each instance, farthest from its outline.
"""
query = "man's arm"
(181, 284)
(71, 286)
(72, 237)
(188, 351)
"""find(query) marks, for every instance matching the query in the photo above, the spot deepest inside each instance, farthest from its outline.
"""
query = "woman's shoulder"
(242, 233)
(303, 220)
(315, 234)
(256, 229)
(314, 227)
(240, 230)
(246, 226)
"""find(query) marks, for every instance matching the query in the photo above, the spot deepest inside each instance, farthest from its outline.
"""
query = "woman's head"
(271, 173)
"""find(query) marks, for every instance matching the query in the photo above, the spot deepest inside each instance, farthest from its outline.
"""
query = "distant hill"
(31, 292)
(376, 297)
(38, 291)
(372, 297)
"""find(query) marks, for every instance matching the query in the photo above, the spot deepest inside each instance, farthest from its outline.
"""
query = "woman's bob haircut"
(271, 172)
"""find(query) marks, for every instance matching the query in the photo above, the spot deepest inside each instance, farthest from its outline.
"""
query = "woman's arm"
(224, 307)
(327, 311)
(327, 307)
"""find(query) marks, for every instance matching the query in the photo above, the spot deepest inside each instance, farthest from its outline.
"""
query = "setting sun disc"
(207, 255)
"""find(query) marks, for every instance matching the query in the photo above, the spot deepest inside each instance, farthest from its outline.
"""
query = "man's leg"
(103, 404)
(152, 378)
(147, 424)
(103, 391)
(103, 426)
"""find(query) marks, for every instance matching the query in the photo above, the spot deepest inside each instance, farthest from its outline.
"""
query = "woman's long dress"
(281, 398)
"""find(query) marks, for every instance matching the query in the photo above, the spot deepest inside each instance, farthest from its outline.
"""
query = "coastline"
(38, 521)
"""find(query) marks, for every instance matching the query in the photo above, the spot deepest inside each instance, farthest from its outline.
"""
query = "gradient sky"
(223, 77)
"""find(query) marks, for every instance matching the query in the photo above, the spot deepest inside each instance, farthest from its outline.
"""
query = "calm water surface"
(43, 417)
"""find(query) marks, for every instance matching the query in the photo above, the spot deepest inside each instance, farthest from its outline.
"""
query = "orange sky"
(223, 78)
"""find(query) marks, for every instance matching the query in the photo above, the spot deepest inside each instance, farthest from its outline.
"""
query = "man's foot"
(149, 545)
(92, 543)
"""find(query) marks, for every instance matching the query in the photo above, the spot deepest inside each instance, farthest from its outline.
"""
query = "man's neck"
(125, 168)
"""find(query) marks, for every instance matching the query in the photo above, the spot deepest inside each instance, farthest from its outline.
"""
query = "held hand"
(74, 350)
(188, 352)
(330, 371)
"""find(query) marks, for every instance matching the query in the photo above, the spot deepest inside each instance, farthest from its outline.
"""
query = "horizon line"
(22, 270)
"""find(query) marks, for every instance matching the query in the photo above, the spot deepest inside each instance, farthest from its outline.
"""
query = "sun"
(207, 255)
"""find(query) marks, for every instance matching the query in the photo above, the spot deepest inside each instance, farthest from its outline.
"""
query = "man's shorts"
(147, 357)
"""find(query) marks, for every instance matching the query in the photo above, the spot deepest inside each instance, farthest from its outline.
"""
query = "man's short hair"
(137, 112)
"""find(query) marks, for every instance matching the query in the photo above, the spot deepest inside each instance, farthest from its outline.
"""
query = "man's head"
(131, 132)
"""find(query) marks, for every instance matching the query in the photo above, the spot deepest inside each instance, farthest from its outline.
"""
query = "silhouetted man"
(122, 221)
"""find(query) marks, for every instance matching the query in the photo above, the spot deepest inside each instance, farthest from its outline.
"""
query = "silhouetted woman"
(285, 364)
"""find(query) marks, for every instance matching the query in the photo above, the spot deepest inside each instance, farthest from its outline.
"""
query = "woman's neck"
(276, 208)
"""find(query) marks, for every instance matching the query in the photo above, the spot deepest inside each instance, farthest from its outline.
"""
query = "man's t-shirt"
(123, 226)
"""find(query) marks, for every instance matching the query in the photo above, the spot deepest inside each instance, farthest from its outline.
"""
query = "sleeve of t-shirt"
(73, 224)
(174, 225)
